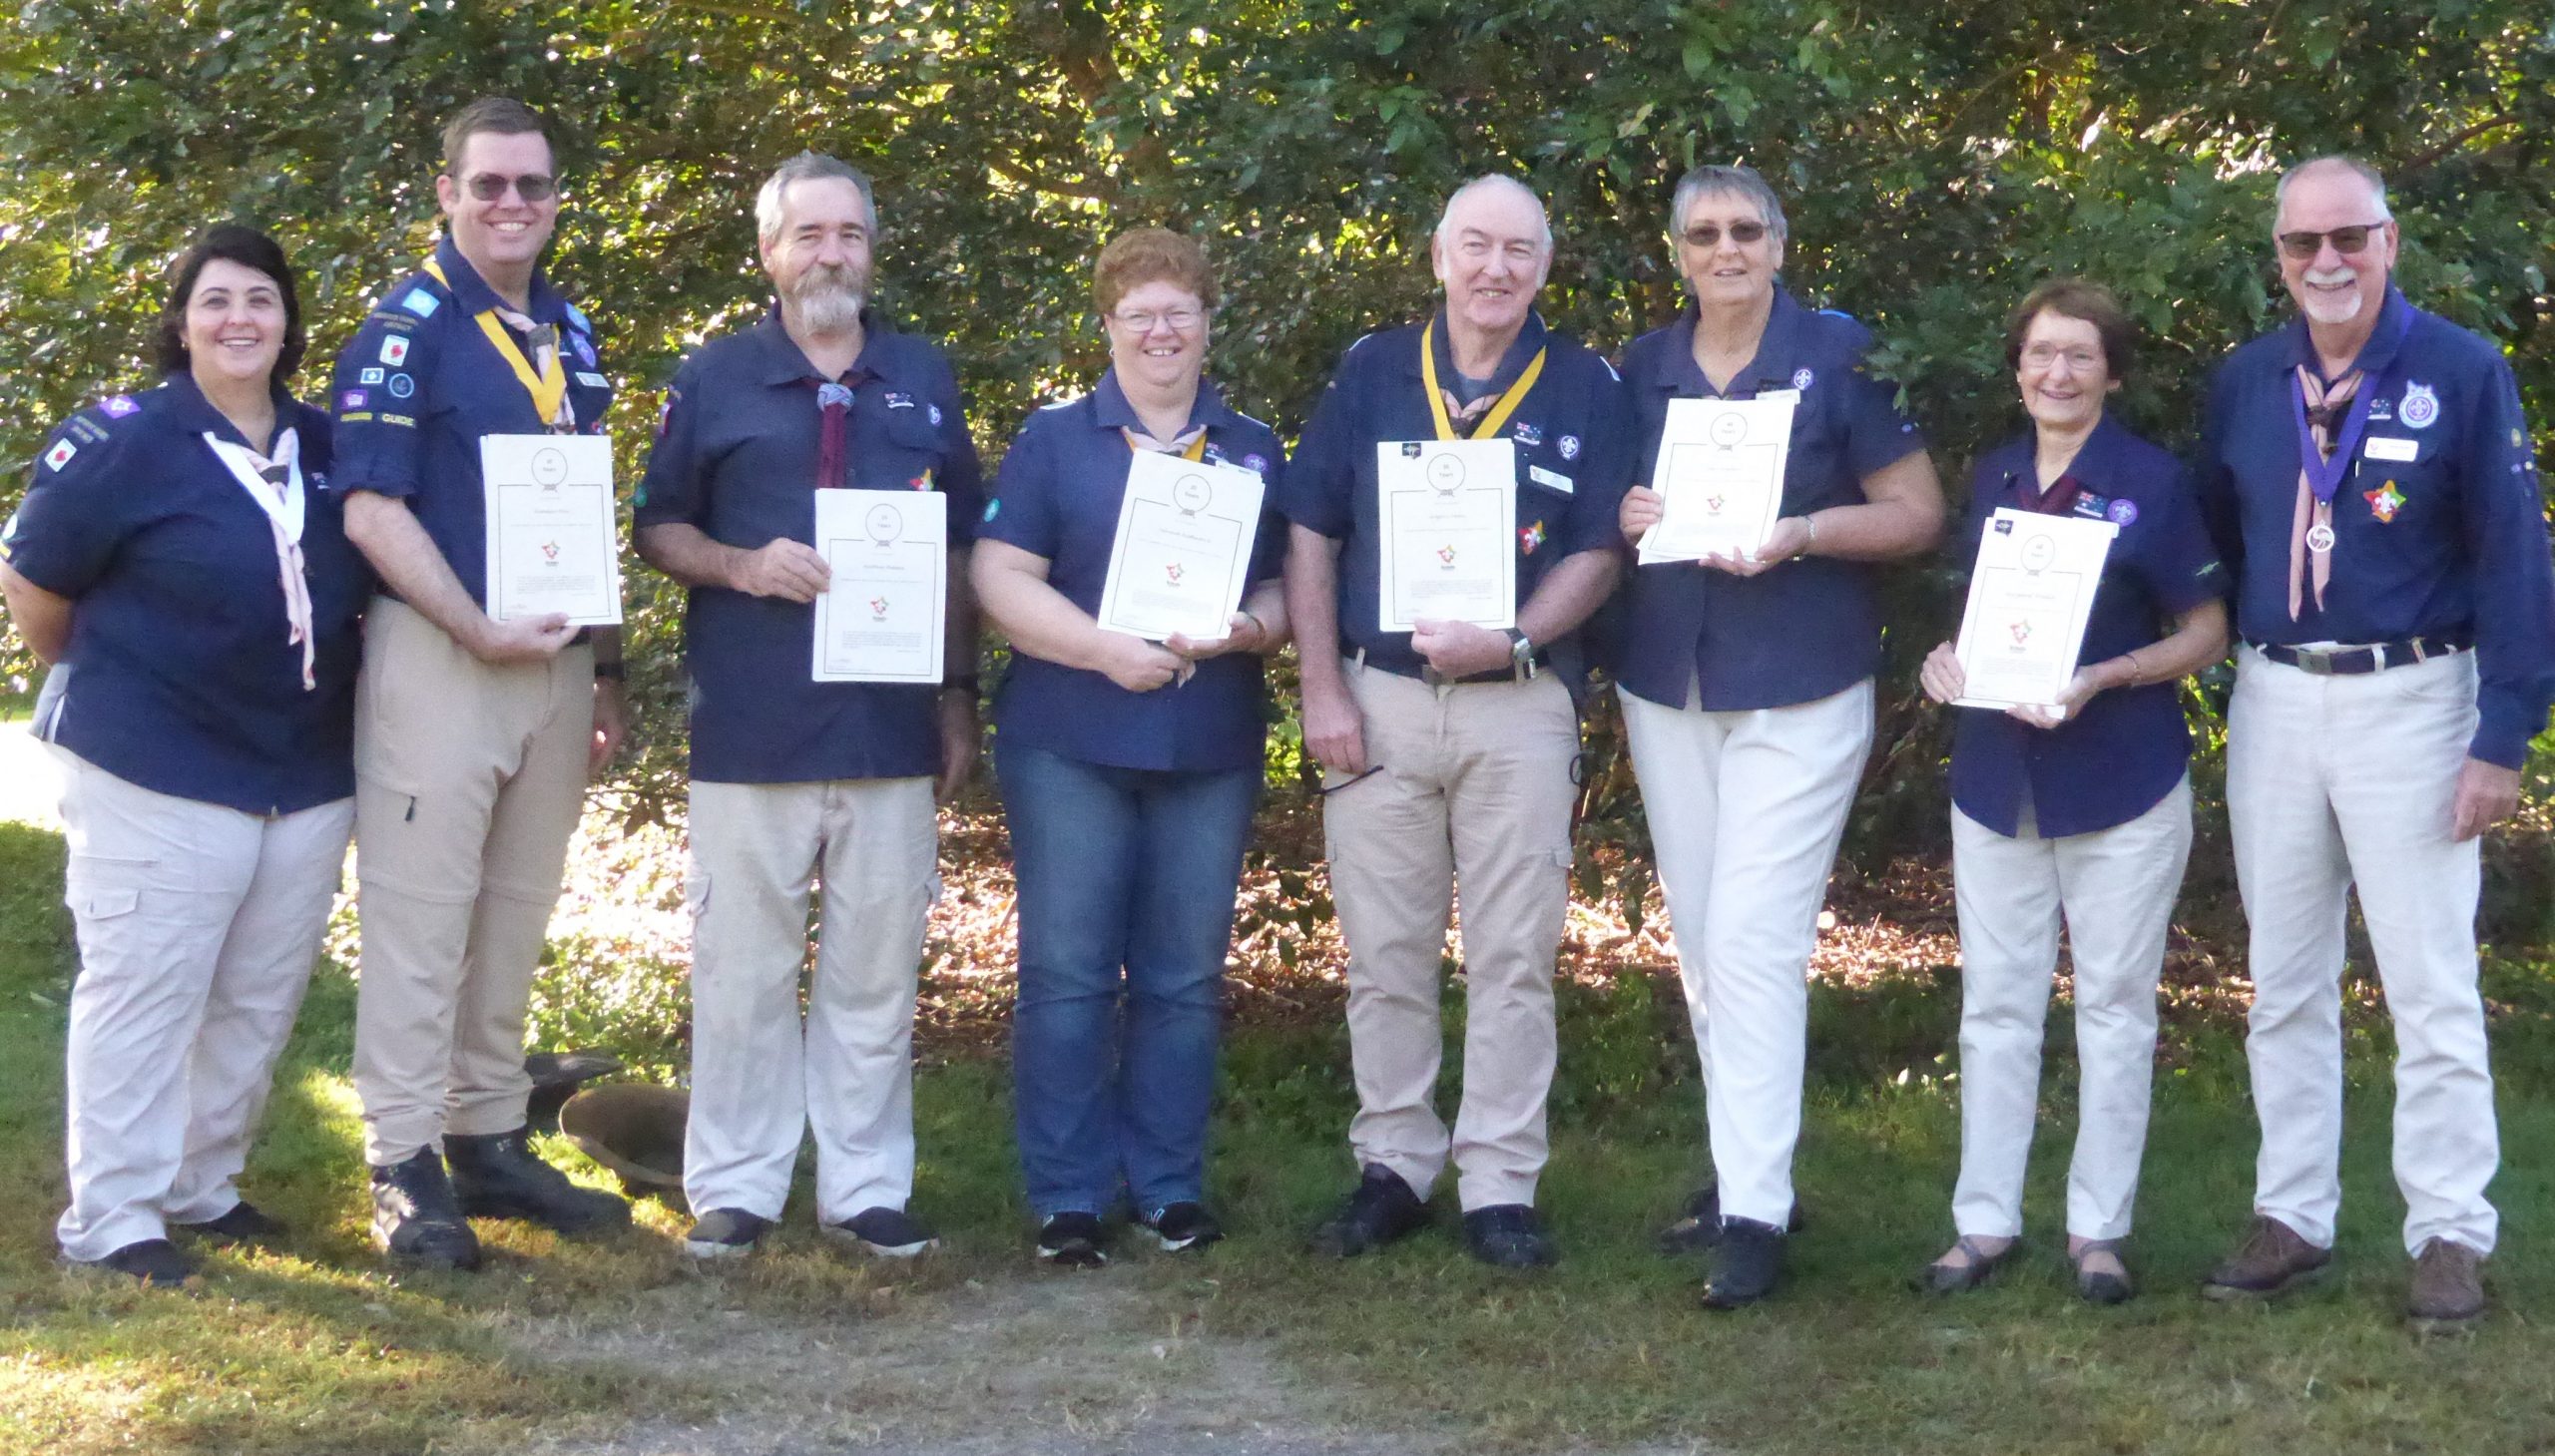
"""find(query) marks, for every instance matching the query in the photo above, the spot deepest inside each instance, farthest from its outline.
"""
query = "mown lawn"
(316, 1350)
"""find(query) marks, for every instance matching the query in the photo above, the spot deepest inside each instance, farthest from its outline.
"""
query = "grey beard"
(827, 309)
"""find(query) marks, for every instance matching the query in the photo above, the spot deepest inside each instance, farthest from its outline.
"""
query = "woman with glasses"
(1747, 684)
(179, 565)
(2080, 812)
(1129, 770)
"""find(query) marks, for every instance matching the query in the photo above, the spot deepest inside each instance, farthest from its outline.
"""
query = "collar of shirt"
(785, 363)
(472, 294)
(1530, 338)
(1779, 355)
(2374, 357)
(1112, 412)
(2100, 466)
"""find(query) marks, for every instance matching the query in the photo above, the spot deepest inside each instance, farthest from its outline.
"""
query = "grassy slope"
(316, 1351)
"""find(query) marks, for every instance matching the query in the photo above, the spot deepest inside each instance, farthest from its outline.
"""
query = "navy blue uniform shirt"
(1573, 451)
(1811, 627)
(2450, 543)
(1057, 497)
(2125, 749)
(179, 675)
(422, 382)
(735, 457)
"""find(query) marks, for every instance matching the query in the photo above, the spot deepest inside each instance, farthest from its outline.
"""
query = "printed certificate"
(1446, 519)
(1182, 557)
(1720, 476)
(2029, 600)
(881, 619)
(551, 541)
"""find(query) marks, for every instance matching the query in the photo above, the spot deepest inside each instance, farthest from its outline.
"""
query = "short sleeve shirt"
(2126, 748)
(424, 381)
(735, 457)
(180, 675)
(2439, 524)
(1809, 627)
(1057, 497)
(1573, 452)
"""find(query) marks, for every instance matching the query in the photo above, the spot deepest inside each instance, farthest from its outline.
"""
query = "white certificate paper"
(1182, 557)
(551, 541)
(881, 619)
(1720, 476)
(2029, 600)
(1447, 520)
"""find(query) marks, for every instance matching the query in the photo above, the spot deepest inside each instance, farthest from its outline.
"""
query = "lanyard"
(2324, 472)
(548, 387)
(1499, 412)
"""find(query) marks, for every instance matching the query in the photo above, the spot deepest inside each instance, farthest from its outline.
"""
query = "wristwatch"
(1521, 651)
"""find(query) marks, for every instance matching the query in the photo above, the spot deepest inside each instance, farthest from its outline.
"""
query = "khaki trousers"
(761, 1076)
(469, 780)
(197, 928)
(1472, 787)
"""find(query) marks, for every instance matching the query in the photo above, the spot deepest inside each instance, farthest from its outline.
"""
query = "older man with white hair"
(795, 780)
(1447, 745)
(2372, 481)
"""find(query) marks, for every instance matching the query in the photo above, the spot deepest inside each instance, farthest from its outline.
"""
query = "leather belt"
(2373, 658)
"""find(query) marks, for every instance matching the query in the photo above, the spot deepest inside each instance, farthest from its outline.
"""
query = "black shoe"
(1747, 1261)
(1699, 1228)
(886, 1233)
(245, 1223)
(415, 1218)
(496, 1176)
(1073, 1242)
(155, 1263)
(1383, 1210)
(725, 1233)
(1509, 1236)
(1182, 1225)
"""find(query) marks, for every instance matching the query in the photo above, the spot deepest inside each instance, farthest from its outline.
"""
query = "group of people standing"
(268, 631)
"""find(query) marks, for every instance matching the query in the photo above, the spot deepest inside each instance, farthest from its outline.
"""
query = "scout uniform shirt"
(182, 675)
(2439, 522)
(1810, 628)
(738, 457)
(425, 377)
(1571, 449)
(1057, 498)
(2123, 749)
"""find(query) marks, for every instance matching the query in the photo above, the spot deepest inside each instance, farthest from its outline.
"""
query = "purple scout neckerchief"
(835, 400)
(2322, 460)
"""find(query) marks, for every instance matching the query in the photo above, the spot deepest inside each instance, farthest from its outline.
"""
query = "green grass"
(318, 1350)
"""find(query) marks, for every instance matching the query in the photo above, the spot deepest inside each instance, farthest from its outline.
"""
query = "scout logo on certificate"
(880, 620)
(2029, 600)
(1446, 511)
(1720, 476)
(550, 543)
(1183, 549)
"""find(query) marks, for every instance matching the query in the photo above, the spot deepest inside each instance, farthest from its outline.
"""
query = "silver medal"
(2319, 537)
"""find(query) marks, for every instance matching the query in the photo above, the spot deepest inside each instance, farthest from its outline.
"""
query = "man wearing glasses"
(2371, 480)
(473, 737)
(1447, 746)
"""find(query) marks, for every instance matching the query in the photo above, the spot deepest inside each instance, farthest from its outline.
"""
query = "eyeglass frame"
(534, 187)
(2305, 246)
(1747, 232)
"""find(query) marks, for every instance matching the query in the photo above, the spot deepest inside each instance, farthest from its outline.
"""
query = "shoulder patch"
(60, 455)
(577, 316)
(117, 407)
(421, 302)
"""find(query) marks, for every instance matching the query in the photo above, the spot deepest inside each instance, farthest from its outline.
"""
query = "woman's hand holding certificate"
(1719, 478)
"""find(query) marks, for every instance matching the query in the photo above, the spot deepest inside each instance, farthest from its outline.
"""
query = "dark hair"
(2088, 302)
(1150, 255)
(500, 113)
(251, 248)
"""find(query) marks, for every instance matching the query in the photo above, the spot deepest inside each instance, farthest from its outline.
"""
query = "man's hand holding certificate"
(881, 621)
(2029, 600)
(1720, 477)
(1182, 557)
(552, 548)
(1446, 517)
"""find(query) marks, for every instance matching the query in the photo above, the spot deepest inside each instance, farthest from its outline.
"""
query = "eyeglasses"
(1707, 235)
(2081, 360)
(532, 186)
(1143, 321)
(2349, 242)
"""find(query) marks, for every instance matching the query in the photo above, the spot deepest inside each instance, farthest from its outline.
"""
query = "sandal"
(2102, 1286)
(1940, 1277)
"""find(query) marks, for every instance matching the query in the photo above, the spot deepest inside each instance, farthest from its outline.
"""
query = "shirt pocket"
(908, 448)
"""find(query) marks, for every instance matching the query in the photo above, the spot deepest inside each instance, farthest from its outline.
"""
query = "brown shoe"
(2272, 1259)
(2447, 1296)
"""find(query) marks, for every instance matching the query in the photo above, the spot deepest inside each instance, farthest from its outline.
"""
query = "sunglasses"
(1707, 235)
(532, 186)
(2349, 242)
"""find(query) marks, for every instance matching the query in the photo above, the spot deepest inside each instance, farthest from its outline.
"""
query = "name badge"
(2382, 447)
(1550, 480)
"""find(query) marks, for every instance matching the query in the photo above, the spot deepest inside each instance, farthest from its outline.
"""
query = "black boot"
(415, 1218)
(496, 1176)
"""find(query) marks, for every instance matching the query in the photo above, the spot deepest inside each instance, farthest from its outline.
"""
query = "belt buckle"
(2315, 660)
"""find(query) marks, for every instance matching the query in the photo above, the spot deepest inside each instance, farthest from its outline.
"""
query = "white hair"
(2333, 162)
(1446, 218)
(807, 166)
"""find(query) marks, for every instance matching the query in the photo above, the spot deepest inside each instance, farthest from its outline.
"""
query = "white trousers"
(2333, 782)
(197, 928)
(1745, 811)
(764, 1075)
(2116, 889)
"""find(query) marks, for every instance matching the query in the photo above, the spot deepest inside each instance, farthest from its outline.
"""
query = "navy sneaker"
(886, 1233)
(725, 1233)
(1073, 1242)
(245, 1223)
(1748, 1261)
(1509, 1236)
(155, 1263)
(1383, 1210)
(1182, 1225)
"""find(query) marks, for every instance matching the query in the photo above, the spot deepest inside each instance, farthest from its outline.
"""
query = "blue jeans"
(1126, 881)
